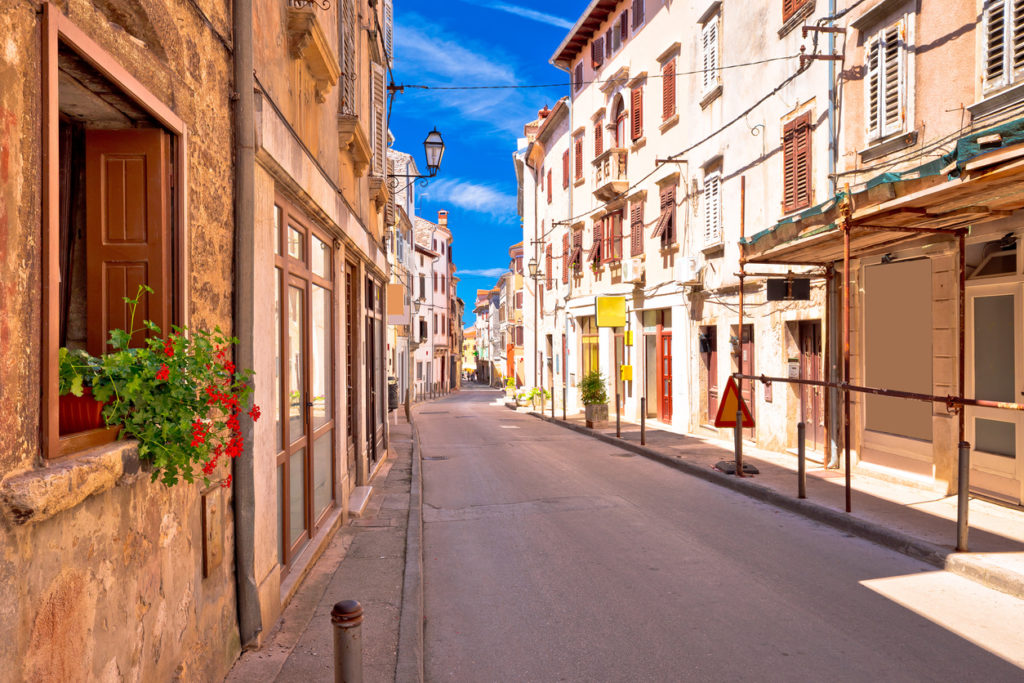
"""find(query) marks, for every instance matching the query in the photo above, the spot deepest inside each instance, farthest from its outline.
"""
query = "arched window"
(621, 136)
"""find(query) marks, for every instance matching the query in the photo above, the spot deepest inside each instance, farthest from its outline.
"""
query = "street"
(550, 556)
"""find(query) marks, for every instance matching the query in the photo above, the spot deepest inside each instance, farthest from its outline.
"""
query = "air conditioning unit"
(633, 270)
(687, 271)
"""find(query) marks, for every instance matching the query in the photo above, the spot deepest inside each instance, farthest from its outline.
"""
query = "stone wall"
(109, 585)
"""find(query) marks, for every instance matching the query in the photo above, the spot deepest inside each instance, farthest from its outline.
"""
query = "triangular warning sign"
(727, 407)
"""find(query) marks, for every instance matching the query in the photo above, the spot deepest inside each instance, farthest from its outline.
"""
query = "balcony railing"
(610, 177)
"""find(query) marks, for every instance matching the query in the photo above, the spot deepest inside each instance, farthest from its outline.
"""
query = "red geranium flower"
(164, 372)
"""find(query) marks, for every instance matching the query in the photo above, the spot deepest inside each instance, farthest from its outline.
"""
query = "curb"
(409, 664)
(973, 568)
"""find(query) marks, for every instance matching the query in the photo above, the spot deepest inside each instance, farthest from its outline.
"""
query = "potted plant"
(179, 396)
(538, 395)
(79, 411)
(510, 388)
(595, 398)
(523, 398)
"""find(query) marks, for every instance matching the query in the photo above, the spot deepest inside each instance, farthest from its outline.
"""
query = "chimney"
(442, 218)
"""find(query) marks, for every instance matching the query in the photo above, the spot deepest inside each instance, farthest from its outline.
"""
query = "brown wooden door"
(664, 375)
(710, 354)
(812, 398)
(127, 230)
(747, 390)
(351, 363)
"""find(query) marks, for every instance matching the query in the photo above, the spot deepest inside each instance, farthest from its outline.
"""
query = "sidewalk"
(365, 561)
(912, 520)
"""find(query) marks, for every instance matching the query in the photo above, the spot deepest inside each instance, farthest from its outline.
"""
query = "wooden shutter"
(548, 265)
(549, 186)
(667, 204)
(598, 139)
(789, 8)
(636, 112)
(380, 133)
(636, 228)
(597, 52)
(712, 210)
(577, 247)
(1018, 37)
(565, 169)
(796, 163)
(873, 82)
(624, 26)
(128, 231)
(349, 82)
(709, 49)
(389, 23)
(595, 244)
(609, 39)
(894, 78)
(996, 31)
(578, 80)
(638, 13)
(579, 156)
(565, 258)
(615, 227)
(668, 90)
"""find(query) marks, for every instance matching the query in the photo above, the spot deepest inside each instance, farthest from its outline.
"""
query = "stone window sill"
(714, 250)
(637, 144)
(667, 249)
(797, 19)
(999, 99)
(881, 148)
(712, 95)
(578, 182)
(37, 495)
(669, 122)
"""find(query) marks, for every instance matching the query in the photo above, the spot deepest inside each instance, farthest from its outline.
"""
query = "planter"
(80, 413)
(597, 415)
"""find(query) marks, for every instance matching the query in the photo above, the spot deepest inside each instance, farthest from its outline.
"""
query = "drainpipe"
(244, 486)
(832, 306)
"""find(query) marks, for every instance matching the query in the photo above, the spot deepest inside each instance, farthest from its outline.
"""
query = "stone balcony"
(610, 179)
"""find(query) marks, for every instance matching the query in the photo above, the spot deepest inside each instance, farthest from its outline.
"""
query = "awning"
(897, 207)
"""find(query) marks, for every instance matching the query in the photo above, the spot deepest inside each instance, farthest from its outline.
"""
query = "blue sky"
(475, 42)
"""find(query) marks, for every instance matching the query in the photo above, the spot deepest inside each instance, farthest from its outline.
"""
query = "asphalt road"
(549, 556)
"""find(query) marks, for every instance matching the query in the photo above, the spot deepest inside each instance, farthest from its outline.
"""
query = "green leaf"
(76, 385)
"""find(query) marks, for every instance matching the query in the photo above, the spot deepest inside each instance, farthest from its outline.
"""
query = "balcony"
(610, 174)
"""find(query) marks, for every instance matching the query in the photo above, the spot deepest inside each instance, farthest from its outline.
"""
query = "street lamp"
(433, 150)
(531, 266)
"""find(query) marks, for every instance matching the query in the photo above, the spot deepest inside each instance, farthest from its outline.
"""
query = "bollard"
(643, 421)
(801, 459)
(618, 426)
(739, 442)
(347, 618)
(962, 485)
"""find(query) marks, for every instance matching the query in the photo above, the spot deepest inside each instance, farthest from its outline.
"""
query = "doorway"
(812, 398)
(746, 340)
(709, 356)
(994, 374)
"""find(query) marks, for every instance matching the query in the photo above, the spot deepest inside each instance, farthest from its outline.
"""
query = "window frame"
(795, 133)
(878, 127)
(1009, 76)
(58, 30)
(712, 222)
(711, 75)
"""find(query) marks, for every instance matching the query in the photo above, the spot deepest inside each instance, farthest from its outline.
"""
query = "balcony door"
(305, 406)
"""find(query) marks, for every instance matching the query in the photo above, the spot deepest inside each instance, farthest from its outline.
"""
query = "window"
(549, 186)
(636, 124)
(419, 367)
(519, 335)
(666, 227)
(598, 139)
(796, 163)
(578, 144)
(423, 286)
(709, 54)
(885, 80)
(668, 90)
(597, 240)
(435, 281)
(519, 300)
(613, 236)
(548, 265)
(565, 169)
(712, 209)
(566, 256)
(620, 123)
(576, 257)
(636, 228)
(638, 14)
(1004, 42)
(597, 53)
(789, 8)
(540, 177)
(577, 80)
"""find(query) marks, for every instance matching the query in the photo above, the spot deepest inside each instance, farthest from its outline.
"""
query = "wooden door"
(812, 398)
(664, 375)
(710, 355)
(351, 363)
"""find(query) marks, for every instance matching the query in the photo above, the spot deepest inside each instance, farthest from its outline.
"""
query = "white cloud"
(526, 13)
(483, 272)
(472, 197)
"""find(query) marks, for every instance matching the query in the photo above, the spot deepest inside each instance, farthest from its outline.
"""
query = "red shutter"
(668, 212)
(579, 157)
(597, 52)
(579, 76)
(624, 26)
(789, 8)
(565, 169)
(549, 186)
(598, 237)
(636, 229)
(796, 164)
(565, 258)
(127, 240)
(598, 139)
(608, 43)
(636, 113)
(668, 90)
(548, 262)
(638, 12)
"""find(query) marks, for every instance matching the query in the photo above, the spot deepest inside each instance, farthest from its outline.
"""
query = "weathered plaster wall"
(112, 588)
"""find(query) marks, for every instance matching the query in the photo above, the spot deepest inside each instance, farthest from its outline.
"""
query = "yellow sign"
(611, 311)
(627, 338)
(626, 373)
(730, 403)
